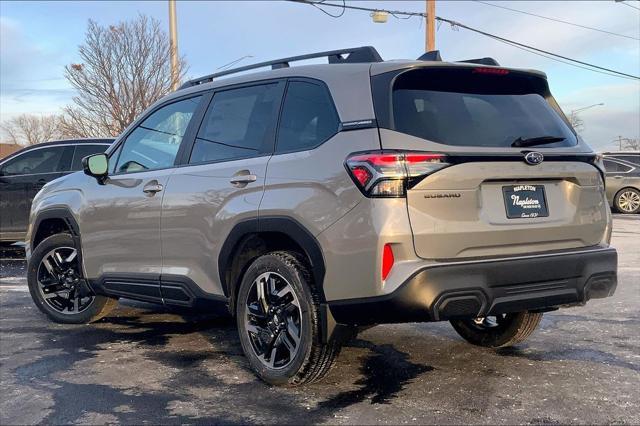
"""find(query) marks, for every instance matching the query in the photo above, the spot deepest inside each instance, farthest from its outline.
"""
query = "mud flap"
(332, 330)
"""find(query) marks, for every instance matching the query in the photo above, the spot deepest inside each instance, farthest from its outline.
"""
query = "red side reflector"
(494, 71)
(387, 261)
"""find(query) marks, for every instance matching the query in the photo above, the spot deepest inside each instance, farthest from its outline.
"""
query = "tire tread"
(524, 324)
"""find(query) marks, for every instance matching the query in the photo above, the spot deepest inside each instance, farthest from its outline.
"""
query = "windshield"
(466, 108)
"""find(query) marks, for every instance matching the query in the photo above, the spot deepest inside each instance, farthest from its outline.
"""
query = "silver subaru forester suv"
(315, 200)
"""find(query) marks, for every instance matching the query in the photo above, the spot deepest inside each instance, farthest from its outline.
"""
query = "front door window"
(154, 143)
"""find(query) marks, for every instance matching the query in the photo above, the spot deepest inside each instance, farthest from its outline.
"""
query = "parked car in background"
(623, 181)
(24, 172)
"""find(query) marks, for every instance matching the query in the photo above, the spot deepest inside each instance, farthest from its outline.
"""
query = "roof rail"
(481, 61)
(361, 54)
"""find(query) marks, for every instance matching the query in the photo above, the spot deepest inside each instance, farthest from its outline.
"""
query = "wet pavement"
(143, 364)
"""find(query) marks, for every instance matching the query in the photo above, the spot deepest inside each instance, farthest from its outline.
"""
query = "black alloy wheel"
(273, 320)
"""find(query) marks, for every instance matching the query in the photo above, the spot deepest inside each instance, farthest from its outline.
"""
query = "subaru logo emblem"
(533, 158)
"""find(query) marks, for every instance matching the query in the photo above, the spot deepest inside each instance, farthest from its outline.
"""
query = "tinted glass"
(83, 151)
(630, 158)
(154, 143)
(238, 124)
(464, 108)
(43, 160)
(308, 117)
(612, 167)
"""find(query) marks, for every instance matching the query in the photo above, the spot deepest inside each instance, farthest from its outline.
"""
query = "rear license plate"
(525, 201)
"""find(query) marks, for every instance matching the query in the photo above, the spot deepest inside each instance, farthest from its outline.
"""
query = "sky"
(37, 39)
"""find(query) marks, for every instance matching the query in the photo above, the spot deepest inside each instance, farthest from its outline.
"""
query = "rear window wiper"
(540, 140)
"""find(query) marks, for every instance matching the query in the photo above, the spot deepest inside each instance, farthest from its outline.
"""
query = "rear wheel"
(628, 201)
(277, 312)
(57, 286)
(498, 331)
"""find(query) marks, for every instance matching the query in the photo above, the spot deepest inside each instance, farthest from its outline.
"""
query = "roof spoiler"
(482, 61)
(434, 55)
(363, 54)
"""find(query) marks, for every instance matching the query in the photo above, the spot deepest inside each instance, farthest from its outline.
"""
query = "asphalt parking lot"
(144, 364)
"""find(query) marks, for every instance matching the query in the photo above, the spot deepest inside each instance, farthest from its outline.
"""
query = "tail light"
(389, 174)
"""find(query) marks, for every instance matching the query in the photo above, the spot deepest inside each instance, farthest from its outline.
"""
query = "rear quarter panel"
(313, 186)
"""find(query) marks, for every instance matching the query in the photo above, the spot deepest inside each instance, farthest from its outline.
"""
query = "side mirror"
(96, 165)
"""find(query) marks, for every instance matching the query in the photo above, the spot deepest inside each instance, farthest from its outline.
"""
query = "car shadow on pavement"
(569, 354)
(207, 379)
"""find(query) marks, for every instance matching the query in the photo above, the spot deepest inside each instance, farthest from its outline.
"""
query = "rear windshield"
(474, 107)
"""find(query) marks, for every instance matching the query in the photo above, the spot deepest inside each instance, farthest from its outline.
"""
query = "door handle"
(152, 187)
(618, 177)
(242, 178)
(40, 183)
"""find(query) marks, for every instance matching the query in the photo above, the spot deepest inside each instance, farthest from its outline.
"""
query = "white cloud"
(30, 74)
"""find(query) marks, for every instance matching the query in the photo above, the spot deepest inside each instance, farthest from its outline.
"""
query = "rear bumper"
(488, 287)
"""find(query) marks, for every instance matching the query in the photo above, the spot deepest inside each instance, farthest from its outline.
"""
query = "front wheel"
(57, 286)
(498, 331)
(627, 201)
(277, 312)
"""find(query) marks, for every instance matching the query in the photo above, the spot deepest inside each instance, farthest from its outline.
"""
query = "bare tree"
(29, 129)
(632, 144)
(124, 69)
(576, 122)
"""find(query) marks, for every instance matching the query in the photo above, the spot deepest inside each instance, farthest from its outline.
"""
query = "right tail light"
(389, 174)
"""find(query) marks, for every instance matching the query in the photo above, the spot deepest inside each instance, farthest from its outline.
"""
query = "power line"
(557, 20)
(366, 9)
(626, 4)
(531, 49)
(495, 37)
(327, 13)
(561, 61)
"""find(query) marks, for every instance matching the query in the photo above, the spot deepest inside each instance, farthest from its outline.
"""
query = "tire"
(627, 201)
(284, 273)
(90, 307)
(507, 330)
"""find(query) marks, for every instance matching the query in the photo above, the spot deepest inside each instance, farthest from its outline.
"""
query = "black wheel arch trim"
(55, 213)
(69, 219)
(282, 224)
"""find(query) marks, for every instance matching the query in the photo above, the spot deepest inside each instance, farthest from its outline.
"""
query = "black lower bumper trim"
(473, 289)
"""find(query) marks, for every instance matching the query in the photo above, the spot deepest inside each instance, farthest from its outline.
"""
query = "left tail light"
(389, 174)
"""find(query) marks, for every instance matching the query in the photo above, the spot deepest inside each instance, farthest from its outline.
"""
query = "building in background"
(7, 149)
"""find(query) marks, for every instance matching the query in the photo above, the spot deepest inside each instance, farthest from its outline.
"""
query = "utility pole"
(173, 45)
(430, 36)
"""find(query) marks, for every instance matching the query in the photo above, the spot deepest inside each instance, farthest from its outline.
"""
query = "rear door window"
(635, 159)
(239, 123)
(84, 151)
(308, 117)
(615, 167)
(466, 108)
